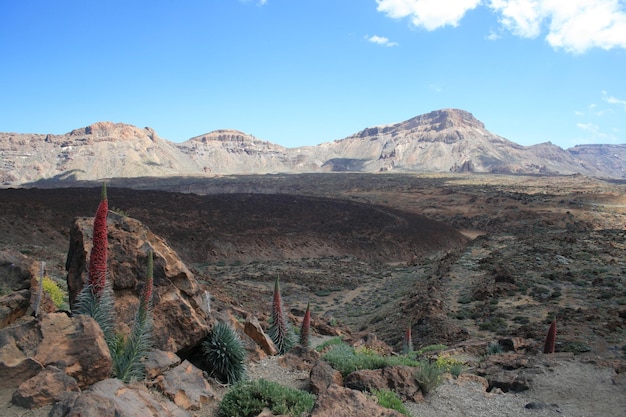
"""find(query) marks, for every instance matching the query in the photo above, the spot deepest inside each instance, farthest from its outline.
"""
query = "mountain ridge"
(446, 140)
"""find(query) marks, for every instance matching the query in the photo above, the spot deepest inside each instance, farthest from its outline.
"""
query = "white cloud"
(573, 25)
(613, 100)
(595, 134)
(429, 14)
(381, 40)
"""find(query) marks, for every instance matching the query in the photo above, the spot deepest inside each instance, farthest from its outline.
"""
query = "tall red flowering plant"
(305, 329)
(96, 297)
(549, 346)
(280, 331)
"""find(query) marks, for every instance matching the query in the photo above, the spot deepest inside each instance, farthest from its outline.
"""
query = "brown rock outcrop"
(44, 388)
(400, 379)
(113, 398)
(179, 319)
(186, 386)
(73, 344)
(322, 376)
(253, 329)
(338, 401)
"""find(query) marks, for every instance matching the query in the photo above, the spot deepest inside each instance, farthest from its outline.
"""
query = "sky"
(304, 72)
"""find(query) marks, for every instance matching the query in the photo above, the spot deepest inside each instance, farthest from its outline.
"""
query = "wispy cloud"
(258, 2)
(612, 100)
(594, 134)
(572, 25)
(381, 40)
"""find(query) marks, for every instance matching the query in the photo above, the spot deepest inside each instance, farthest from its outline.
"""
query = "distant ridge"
(447, 140)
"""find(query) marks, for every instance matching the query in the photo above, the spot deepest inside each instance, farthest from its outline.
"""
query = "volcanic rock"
(338, 401)
(180, 321)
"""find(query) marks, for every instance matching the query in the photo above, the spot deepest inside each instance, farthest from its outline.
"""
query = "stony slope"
(440, 141)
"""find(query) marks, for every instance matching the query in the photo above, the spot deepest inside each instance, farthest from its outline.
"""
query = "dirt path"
(564, 387)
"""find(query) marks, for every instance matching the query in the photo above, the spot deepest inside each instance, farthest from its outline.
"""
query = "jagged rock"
(186, 386)
(518, 344)
(113, 398)
(158, 361)
(400, 379)
(322, 376)
(73, 344)
(253, 329)
(14, 270)
(44, 388)
(13, 306)
(299, 358)
(338, 401)
(472, 378)
(180, 321)
(506, 371)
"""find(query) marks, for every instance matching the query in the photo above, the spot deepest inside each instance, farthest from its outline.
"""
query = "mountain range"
(447, 140)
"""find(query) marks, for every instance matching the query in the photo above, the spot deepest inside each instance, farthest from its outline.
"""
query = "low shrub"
(249, 398)
(449, 364)
(494, 348)
(428, 376)
(54, 291)
(337, 340)
(390, 399)
(346, 359)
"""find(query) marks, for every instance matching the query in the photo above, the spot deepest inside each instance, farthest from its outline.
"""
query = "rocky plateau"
(448, 140)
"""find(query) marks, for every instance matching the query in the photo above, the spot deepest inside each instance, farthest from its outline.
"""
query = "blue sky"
(303, 72)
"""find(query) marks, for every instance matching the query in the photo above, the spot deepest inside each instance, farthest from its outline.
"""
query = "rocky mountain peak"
(109, 131)
(439, 120)
(224, 135)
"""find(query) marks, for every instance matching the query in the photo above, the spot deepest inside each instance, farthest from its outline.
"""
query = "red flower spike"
(550, 339)
(146, 298)
(277, 305)
(98, 255)
(306, 326)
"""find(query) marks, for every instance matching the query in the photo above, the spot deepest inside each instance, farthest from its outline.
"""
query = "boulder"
(179, 309)
(338, 401)
(113, 398)
(400, 379)
(44, 388)
(75, 345)
(507, 371)
(299, 358)
(13, 306)
(186, 386)
(322, 376)
(158, 361)
(253, 329)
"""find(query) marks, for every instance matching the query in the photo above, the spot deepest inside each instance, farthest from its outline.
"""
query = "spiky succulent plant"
(96, 297)
(280, 332)
(129, 352)
(224, 354)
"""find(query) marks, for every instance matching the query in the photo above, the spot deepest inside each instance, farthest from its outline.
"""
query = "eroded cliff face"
(440, 141)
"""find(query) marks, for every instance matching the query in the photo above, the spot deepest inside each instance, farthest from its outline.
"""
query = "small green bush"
(249, 398)
(329, 343)
(224, 354)
(494, 348)
(428, 376)
(346, 359)
(390, 399)
(54, 291)
(431, 348)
